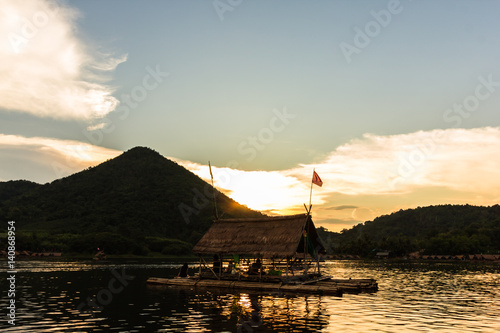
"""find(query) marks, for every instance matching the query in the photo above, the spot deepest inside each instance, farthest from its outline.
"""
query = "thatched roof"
(267, 237)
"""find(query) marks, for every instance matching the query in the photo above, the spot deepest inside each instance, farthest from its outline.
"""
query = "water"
(84, 296)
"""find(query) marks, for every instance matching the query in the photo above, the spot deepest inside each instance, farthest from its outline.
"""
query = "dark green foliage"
(14, 188)
(135, 203)
(111, 243)
(331, 240)
(117, 205)
(168, 246)
(443, 229)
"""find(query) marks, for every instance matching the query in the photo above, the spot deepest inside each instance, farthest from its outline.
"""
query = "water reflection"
(242, 312)
(412, 297)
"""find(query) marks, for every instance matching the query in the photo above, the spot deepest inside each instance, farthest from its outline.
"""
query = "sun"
(265, 190)
(269, 191)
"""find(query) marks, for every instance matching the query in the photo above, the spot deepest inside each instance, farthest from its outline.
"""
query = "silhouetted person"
(216, 264)
(184, 270)
(256, 266)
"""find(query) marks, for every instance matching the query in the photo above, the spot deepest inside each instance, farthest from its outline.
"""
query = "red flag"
(316, 180)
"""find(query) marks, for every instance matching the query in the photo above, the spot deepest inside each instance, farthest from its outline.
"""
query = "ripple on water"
(449, 297)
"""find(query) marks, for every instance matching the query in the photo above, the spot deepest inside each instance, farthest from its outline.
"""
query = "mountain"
(14, 188)
(136, 202)
(441, 229)
(140, 202)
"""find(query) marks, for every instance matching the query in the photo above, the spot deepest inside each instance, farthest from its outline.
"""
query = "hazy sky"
(395, 103)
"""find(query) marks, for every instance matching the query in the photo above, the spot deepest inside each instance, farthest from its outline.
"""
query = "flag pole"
(213, 191)
(311, 193)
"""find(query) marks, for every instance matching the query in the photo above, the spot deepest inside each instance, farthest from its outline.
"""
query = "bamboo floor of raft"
(334, 287)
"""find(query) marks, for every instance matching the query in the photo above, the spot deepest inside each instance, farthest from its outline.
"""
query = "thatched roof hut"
(268, 237)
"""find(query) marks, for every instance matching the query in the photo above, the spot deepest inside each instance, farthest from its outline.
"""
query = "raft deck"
(324, 285)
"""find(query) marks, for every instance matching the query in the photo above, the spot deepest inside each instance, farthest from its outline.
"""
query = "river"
(112, 296)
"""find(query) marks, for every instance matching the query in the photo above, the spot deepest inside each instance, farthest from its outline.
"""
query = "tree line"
(441, 229)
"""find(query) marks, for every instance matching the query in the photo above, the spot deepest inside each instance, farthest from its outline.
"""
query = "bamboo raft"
(269, 254)
(323, 285)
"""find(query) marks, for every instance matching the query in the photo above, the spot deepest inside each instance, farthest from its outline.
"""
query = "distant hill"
(140, 202)
(442, 229)
(14, 188)
(136, 202)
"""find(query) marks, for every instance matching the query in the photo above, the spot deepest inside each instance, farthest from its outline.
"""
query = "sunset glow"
(374, 175)
(351, 191)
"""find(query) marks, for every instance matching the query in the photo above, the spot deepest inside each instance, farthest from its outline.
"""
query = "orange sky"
(376, 175)
(362, 179)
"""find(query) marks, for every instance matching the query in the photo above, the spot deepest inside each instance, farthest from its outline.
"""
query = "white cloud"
(46, 69)
(460, 159)
(362, 179)
(376, 175)
(45, 159)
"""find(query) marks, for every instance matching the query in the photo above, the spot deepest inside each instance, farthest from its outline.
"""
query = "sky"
(395, 104)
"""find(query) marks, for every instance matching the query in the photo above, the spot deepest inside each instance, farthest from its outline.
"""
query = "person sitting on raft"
(255, 268)
(183, 272)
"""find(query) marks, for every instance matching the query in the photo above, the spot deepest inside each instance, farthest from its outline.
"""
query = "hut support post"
(286, 269)
(200, 267)
(260, 270)
(210, 268)
(305, 249)
(220, 266)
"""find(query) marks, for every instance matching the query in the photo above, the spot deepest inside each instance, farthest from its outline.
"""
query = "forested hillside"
(14, 188)
(140, 202)
(443, 229)
(134, 203)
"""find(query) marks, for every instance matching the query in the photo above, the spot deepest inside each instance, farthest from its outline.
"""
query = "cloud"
(47, 70)
(362, 179)
(342, 207)
(460, 159)
(341, 222)
(376, 175)
(45, 159)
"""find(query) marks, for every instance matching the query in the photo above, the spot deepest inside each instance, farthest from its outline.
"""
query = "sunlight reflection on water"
(447, 297)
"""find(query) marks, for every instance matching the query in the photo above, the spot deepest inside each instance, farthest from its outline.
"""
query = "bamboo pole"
(305, 245)
(220, 266)
(260, 270)
(213, 191)
(286, 271)
(210, 268)
(311, 193)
